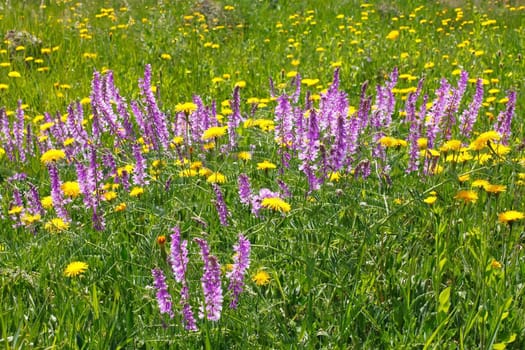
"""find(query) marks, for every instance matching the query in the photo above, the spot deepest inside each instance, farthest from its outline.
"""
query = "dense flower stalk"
(154, 112)
(18, 133)
(139, 171)
(245, 191)
(241, 263)
(163, 296)
(211, 284)
(178, 260)
(470, 114)
(222, 210)
(505, 118)
(56, 192)
(236, 118)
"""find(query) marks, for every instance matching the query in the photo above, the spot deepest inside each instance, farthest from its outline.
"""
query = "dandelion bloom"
(120, 207)
(387, 141)
(52, 155)
(47, 202)
(276, 203)
(136, 191)
(71, 189)
(261, 278)
(266, 165)
(75, 268)
(495, 189)
(56, 225)
(243, 155)
(216, 178)
(187, 107)
(214, 132)
(430, 200)
(451, 145)
(508, 217)
(480, 183)
(393, 35)
(467, 196)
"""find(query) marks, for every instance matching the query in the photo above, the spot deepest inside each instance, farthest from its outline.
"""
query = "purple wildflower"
(211, 284)
(178, 257)
(56, 192)
(178, 260)
(235, 118)
(241, 263)
(139, 175)
(163, 296)
(470, 114)
(505, 118)
(18, 132)
(222, 210)
(245, 190)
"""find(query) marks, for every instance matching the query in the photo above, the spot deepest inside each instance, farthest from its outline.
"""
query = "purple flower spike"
(222, 210)
(163, 296)
(211, 284)
(241, 263)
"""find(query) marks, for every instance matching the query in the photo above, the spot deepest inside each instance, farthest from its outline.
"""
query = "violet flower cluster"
(211, 306)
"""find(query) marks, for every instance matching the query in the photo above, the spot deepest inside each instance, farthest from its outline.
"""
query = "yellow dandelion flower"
(310, 82)
(508, 217)
(467, 196)
(214, 132)
(14, 74)
(496, 265)
(188, 173)
(205, 172)
(464, 178)
(266, 165)
(52, 155)
(120, 207)
(196, 165)
(276, 203)
(334, 176)
(136, 191)
(430, 200)
(109, 195)
(451, 145)
(47, 202)
(71, 189)
(422, 143)
(187, 107)
(165, 56)
(56, 225)
(389, 142)
(480, 183)
(29, 219)
(243, 155)
(261, 278)
(393, 35)
(495, 189)
(75, 268)
(15, 210)
(216, 177)
(240, 84)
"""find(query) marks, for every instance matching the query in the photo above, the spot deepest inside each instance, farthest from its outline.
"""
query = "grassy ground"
(431, 258)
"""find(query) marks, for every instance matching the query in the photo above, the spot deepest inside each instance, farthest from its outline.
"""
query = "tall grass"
(396, 258)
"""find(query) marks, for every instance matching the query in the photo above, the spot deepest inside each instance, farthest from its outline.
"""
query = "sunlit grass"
(370, 153)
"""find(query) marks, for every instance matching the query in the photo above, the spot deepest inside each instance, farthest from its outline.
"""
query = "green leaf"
(444, 300)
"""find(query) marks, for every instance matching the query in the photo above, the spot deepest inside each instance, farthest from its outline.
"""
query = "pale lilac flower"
(245, 190)
(211, 284)
(241, 263)
(163, 296)
(222, 210)
(470, 114)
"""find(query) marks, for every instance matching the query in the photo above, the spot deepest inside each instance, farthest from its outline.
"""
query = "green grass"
(356, 264)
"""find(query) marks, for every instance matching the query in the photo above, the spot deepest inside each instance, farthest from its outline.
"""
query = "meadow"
(262, 174)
